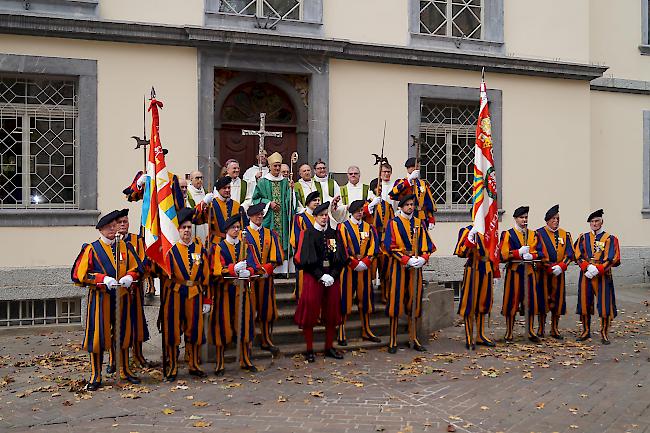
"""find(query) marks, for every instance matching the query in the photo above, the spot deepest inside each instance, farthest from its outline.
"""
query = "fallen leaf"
(528, 375)
(168, 411)
(318, 394)
(573, 426)
(451, 428)
(202, 424)
(484, 408)
(132, 396)
(193, 417)
(540, 405)
(200, 403)
(282, 399)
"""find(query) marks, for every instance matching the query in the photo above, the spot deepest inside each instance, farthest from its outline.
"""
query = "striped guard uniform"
(557, 249)
(379, 219)
(362, 245)
(96, 261)
(602, 251)
(264, 254)
(424, 203)
(134, 194)
(301, 222)
(403, 237)
(182, 302)
(513, 289)
(215, 214)
(226, 290)
(478, 279)
(140, 330)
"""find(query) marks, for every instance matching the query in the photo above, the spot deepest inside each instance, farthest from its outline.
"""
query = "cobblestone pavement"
(563, 387)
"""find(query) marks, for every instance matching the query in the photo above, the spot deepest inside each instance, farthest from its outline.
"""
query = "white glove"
(208, 198)
(206, 308)
(593, 270)
(472, 235)
(373, 204)
(110, 282)
(327, 280)
(415, 174)
(244, 273)
(589, 274)
(431, 226)
(524, 250)
(557, 270)
(420, 262)
(361, 267)
(126, 281)
(141, 180)
(527, 256)
(240, 266)
(412, 262)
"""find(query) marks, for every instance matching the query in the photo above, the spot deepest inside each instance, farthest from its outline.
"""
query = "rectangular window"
(454, 18)
(38, 143)
(32, 312)
(447, 139)
(274, 9)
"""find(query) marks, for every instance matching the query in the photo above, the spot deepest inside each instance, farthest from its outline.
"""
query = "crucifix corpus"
(262, 134)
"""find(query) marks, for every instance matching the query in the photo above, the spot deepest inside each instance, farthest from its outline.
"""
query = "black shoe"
(488, 343)
(309, 356)
(198, 373)
(392, 349)
(605, 342)
(250, 368)
(220, 372)
(170, 378)
(143, 363)
(131, 379)
(583, 337)
(342, 342)
(332, 353)
(467, 346)
(110, 369)
(275, 350)
(534, 339)
(420, 348)
(93, 386)
(372, 338)
(557, 336)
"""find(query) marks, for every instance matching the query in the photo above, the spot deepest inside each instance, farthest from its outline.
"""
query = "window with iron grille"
(38, 143)
(33, 312)
(275, 9)
(455, 18)
(447, 139)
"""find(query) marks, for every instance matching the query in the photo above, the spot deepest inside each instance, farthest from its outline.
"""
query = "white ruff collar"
(319, 227)
(269, 176)
(106, 240)
(320, 179)
(231, 240)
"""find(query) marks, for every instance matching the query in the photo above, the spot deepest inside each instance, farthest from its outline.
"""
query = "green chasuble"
(268, 190)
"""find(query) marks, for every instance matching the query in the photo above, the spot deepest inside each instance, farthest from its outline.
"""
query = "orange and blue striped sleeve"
(83, 271)
(463, 245)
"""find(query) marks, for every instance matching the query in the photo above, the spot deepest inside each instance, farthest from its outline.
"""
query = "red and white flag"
(485, 210)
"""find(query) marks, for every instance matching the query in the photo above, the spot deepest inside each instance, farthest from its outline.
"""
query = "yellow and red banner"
(485, 210)
(158, 211)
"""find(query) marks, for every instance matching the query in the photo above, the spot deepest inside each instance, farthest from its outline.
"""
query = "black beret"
(373, 184)
(222, 182)
(231, 221)
(323, 207)
(107, 219)
(406, 198)
(165, 151)
(521, 210)
(356, 205)
(596, 214)
(185, 214)
(311, 197)
(411, 162)
(255, 209)
(123, 213)
(552, 212)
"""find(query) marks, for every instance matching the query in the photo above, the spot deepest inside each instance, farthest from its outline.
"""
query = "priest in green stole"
(274, 190)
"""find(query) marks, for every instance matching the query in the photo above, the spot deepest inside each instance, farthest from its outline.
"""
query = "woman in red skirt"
(321, 255)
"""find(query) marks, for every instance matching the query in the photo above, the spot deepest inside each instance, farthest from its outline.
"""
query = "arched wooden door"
(241, 110)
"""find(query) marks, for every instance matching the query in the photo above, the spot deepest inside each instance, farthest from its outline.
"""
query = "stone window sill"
(645, 213)
(458, 216)
(47, 217)
(431, 42)
(222, 20)
(645, 50)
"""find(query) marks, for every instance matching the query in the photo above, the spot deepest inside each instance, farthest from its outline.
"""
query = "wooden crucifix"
(262, 134)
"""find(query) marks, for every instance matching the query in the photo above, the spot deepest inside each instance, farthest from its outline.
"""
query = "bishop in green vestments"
(275, 192)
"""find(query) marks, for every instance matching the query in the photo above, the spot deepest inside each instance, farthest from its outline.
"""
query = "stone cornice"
(200, 37)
